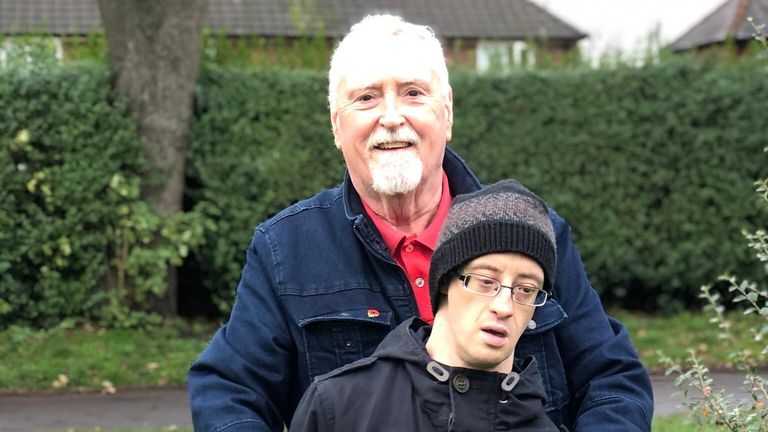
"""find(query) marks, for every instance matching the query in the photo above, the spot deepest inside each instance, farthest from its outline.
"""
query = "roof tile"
(723, 22)
(501, 19)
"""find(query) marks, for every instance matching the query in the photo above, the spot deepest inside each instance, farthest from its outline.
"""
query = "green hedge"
(653, 167)
(62, 140)
(261, 140)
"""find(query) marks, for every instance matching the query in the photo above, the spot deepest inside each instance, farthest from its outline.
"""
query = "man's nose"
(502, 305)
(392, 116)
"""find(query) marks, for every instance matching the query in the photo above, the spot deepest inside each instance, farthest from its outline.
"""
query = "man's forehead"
(373, 82)
(365, 74)
(395, 59)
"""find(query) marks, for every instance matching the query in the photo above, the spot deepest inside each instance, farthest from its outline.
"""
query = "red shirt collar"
(393, 237)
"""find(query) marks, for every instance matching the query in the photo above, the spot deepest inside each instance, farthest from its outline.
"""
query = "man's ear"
(442, 299)
(335, 129)
(449, 114)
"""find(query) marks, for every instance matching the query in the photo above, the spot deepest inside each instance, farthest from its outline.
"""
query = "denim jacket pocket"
(335, 339)
(539, 341)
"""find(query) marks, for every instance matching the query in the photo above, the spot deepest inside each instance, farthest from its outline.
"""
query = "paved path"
(129, 409)
(164, 408)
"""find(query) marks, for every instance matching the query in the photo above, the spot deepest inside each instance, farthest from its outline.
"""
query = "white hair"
(373, 30)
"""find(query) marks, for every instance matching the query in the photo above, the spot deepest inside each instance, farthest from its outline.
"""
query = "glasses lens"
(482, 285)
(529, 295)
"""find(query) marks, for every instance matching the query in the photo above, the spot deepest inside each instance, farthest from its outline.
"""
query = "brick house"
(473, 31)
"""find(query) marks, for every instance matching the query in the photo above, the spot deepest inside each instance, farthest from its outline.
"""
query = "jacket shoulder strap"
(363, 363)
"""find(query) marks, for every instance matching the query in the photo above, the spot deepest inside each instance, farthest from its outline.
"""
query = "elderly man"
(493, 266)
(327, 278)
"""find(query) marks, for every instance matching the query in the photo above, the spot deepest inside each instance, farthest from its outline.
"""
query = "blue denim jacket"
(319, 290)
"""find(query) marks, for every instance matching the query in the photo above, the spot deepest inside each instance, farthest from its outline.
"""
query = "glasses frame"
(466, 276)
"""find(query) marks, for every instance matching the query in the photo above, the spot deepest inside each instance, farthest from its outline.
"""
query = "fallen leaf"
(107, 387)
(61, 381)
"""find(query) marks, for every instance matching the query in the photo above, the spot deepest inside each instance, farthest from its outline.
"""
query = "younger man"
(493, 265)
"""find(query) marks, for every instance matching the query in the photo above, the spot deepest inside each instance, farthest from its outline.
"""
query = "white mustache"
(383, 136)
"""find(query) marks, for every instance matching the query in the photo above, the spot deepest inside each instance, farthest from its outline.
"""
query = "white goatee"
(395, 171)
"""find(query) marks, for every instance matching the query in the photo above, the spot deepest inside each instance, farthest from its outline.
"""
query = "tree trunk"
(154, 53)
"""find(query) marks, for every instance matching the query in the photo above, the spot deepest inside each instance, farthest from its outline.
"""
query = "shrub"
(61, 141)
(261, 141)
(717, 407)
(76, 240)
(713, 405)
(645, 163)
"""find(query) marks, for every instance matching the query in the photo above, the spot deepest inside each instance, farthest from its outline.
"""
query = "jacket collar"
(407, 343)
(523, 405)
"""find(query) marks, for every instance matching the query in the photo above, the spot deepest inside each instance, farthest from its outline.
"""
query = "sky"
(626, 24)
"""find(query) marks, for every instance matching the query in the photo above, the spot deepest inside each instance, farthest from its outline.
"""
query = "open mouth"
(495, 336)
(496, 332)
(395, 145)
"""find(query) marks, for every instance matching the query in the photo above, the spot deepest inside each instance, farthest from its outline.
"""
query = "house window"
(30, 49)
(501, 56)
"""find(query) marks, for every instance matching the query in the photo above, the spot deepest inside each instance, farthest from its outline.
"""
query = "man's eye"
(486, 282)
(365, 98)
(527, 290)
(413, 93)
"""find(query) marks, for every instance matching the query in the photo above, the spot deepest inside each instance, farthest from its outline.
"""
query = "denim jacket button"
(461, 383)
(348, 344)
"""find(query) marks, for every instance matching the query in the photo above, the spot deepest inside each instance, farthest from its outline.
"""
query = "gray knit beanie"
(503, 217)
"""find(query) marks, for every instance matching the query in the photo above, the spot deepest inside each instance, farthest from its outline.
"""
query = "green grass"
(90, 358)
(671, 423)
(160, 356)
(681, 423)
(167, 429)
(675, 335)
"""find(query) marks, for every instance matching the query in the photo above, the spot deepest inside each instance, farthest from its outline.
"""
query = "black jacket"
(400, 388)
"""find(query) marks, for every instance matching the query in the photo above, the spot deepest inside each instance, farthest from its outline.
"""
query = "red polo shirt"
(413, 252)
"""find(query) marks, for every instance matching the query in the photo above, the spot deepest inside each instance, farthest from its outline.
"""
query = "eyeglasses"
(528, 295)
